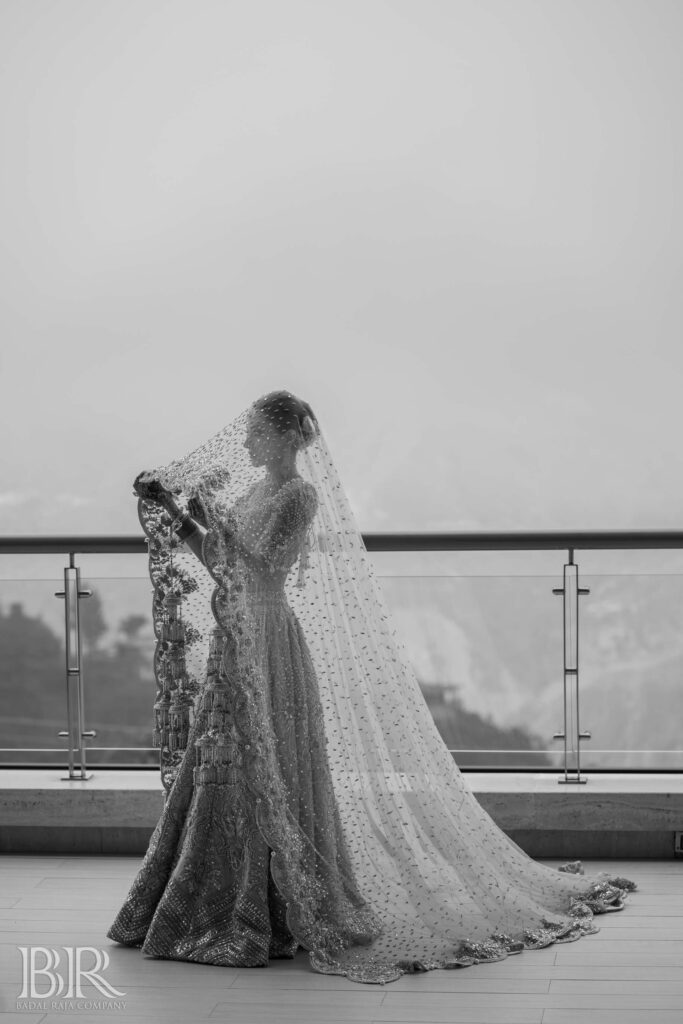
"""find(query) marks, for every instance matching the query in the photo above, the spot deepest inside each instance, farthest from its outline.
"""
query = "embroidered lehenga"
(314, 803)
(205, 891)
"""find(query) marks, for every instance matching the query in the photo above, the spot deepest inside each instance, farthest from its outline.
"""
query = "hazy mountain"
(498, 642)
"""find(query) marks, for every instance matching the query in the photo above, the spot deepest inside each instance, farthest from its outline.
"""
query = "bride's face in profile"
(258, 441)
(268, 448)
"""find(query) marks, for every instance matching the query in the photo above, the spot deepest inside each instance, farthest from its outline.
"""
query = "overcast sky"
(454, 227)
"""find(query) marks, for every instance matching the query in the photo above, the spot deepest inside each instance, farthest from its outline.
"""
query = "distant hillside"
(498, 640)
(493, 644)
(465, 730)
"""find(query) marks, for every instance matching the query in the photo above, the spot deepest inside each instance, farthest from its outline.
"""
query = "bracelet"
(184, 526)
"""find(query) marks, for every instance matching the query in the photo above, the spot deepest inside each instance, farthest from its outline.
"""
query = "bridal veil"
(440, 884)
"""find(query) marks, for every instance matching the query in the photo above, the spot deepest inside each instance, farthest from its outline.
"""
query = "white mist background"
(455, 228)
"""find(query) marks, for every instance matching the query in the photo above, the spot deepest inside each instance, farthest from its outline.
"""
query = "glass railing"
(32, 674)
(118, 686)
(483, 650)
(632, 671)
(488, 654)
(486, 635)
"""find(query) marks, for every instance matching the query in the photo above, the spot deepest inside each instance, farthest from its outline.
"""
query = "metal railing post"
(571, 733)
(556, 540)
(76, 732)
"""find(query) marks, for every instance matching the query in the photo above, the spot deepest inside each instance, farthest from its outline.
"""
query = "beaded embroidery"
(314, 803)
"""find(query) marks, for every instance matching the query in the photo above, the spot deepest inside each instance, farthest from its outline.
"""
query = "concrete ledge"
(594, 845)
(628, 803)
(116, 811)
(74, 839)
(109, 799)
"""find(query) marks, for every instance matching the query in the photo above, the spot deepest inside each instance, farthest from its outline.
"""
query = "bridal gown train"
(342, 824)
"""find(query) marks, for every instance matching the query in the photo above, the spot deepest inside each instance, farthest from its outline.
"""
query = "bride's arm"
(193, 534)
(188, 529)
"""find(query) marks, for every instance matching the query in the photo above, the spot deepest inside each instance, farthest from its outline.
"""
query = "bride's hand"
(152, 490)
(197, 511)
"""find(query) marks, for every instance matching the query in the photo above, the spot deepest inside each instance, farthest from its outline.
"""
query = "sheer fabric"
(330, 814)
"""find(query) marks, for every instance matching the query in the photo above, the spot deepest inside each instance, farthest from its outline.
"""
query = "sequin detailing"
(315, 803)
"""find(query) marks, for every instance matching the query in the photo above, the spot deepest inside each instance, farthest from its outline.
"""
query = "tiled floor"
(631, 972)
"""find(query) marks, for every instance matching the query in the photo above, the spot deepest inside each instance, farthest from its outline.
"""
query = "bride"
(313, 802)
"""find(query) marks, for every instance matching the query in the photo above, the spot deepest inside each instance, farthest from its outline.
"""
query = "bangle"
(184, 526)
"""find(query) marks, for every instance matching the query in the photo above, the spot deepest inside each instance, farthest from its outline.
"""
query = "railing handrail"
(522, 540)
(400, 541)
(100, 544)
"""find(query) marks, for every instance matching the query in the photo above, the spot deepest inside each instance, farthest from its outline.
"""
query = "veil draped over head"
(435, 882)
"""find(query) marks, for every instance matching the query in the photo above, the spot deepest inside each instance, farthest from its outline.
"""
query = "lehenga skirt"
(205, 890)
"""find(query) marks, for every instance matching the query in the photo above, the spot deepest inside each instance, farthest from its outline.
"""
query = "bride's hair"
(284, 411)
